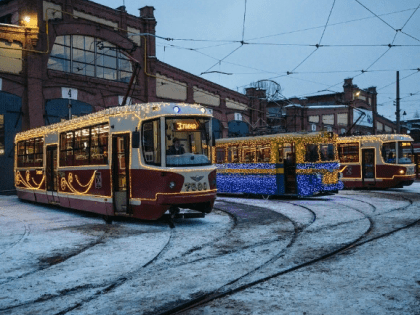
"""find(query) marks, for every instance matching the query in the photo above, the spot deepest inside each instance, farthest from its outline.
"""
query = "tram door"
(368, 167)
(289, 158)
(51, 174)
(120, 172)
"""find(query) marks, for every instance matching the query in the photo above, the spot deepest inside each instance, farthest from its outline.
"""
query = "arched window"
(89, 56)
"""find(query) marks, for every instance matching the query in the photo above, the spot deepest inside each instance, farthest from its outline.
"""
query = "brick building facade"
(65, 58)
(353, 111)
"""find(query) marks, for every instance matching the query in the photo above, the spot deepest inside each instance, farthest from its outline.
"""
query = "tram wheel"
(265, 197)
(107, 219)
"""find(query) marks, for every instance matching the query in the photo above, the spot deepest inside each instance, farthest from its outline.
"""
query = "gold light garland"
(68, 183)
(300, 140)
(20, 180)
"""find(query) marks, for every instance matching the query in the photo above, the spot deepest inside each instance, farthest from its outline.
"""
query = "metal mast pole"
(398, 103)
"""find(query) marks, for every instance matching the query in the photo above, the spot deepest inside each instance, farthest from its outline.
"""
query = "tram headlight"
(172, 185)
(402, 171)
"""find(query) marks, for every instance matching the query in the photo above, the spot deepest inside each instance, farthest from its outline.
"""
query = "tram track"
(361, 240)
(126, 278)
(48, 262)
(22, 236)
(221, 292)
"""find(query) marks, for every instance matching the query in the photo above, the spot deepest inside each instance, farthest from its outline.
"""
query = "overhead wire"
(242, 43)
(334, 24)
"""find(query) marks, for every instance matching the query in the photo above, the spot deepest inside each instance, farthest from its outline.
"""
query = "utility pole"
(398, 103)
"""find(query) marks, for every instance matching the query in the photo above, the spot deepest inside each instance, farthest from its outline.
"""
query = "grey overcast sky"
(280, 36)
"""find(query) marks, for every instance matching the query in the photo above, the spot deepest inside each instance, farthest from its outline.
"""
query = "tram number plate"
(195, 187)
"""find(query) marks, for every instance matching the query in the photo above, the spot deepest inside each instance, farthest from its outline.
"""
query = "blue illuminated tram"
(294, 164)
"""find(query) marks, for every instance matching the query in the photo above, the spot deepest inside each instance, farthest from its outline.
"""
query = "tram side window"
(280, 154)
(348, 152)
(85, 146)
(220, 155)
(389, 153)
(39, 150)
(263, 154)
(99, 144)
(66, 148)
(327, 152)
(233, 156)
(30, 153)
(151, 142)
(248, 155)
(311, 154)
(81, 146)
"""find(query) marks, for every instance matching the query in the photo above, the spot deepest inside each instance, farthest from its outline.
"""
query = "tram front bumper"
(187, 197)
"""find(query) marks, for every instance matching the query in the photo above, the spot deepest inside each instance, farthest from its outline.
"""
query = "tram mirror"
(135, 139)
(213, 140)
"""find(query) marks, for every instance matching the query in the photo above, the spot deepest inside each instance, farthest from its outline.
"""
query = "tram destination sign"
(186, 125)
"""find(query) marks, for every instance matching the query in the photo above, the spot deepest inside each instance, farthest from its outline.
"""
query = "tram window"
(66, 148)
(99, 144)
(389, 153)
(81, 146)
(151, 142)
(39, 150)
(30, 153)
(263, 154)
(280, 154)
(194, 142)
(348, 152)
(289, 154)
(85, 146)
(21, 153)
(248, 155)
(327, 152)
(233, 156)
(311, 154)
(220, 155)
(405, 153)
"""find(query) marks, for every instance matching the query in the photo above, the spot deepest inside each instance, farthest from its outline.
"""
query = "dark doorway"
(120, 172)
(368, 167)
(289, 158)
(52, 176)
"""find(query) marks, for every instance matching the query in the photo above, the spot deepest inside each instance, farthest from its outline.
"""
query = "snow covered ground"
(58, 261)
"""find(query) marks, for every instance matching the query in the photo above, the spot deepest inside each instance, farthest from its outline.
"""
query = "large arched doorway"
(10, 124)
(58, 110)
(238, 129)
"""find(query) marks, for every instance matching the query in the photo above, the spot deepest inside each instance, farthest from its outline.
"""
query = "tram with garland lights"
(294, 164)
(377, 161)
(121, 161)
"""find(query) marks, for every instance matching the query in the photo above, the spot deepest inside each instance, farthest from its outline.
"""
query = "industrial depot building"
(79, 53)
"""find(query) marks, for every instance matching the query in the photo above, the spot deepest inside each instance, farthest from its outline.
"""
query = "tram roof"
(387, 137)
(142, 111)
(278, 136)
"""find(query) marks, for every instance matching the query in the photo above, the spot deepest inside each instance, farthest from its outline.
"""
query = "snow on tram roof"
(142, 110)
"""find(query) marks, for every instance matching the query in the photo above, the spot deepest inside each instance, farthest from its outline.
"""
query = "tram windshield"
(187, 141)
(405, 153)
(388, 152)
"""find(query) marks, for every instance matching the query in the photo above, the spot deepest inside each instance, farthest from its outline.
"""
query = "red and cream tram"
(376, 161)
(121, 161)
